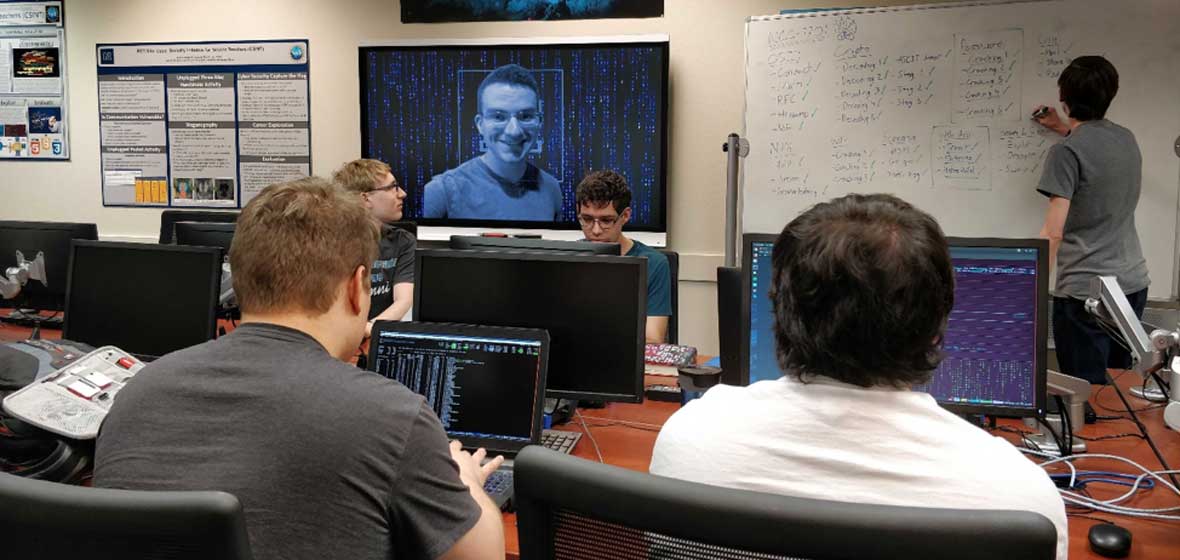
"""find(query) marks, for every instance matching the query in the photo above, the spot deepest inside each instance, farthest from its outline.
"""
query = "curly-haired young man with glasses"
(604, 207)
(393, 271)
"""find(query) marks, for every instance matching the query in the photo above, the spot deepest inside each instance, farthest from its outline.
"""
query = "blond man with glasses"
(393, 271)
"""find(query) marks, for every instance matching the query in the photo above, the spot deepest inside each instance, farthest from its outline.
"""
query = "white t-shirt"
(834, 441)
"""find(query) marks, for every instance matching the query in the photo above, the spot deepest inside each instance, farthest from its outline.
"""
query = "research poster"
(33, 120)
(202, 124)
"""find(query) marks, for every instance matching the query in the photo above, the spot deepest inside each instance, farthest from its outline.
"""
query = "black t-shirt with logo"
(394, 265)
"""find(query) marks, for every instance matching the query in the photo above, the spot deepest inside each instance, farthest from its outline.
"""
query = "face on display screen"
(501, 135)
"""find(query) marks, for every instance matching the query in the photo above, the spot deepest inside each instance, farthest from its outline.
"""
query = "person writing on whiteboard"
(1092, 179)
(392, 275)
(604, 207)
(500, 184)
(862, 288)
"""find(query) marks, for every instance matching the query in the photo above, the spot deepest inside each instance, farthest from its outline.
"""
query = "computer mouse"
(1110, 540)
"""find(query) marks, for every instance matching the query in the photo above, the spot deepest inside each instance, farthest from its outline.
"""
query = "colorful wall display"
(202, 124)
(33, 120)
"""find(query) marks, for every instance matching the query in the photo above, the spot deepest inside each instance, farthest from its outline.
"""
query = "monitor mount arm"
(1158, 353)
(16, 277)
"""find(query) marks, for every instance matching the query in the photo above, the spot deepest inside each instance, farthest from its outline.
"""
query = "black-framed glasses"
(389, 187)
(604, 222)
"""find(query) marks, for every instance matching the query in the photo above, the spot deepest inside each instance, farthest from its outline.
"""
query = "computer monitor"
(168, 219)
(206, 234)
(995, 344)
(997, 335)
(146, 299)
(596, 103)
(466, 242)
(51, 239)
(486, 384)
(592, 306)
(729, 324)
(757, 346)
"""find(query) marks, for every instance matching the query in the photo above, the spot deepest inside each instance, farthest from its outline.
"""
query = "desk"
(631, 447)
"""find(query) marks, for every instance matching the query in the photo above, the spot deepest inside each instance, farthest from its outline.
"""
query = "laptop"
(486, 384)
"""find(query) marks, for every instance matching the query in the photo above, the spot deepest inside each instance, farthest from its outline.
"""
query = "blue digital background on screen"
(603, 107)
(763, 362)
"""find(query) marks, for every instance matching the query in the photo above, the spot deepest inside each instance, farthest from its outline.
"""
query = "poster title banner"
(30, 13)
(270, 53)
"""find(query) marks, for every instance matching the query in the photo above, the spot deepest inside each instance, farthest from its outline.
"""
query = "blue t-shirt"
(659, 280)
(473, 192)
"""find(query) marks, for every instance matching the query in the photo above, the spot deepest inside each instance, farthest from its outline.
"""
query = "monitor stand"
(32, 318)
(1150, 391)
(560, 411)
(1075, 392)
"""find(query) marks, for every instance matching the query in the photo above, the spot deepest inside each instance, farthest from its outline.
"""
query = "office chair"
(41, 519)
(573, 508)
(168, 219)
(674, 293)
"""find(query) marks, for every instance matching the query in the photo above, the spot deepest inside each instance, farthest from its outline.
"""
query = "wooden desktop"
(626, 435)
(630, 446)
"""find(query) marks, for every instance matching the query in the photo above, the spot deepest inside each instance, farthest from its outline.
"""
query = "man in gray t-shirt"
(1092, 179)
(329, 461)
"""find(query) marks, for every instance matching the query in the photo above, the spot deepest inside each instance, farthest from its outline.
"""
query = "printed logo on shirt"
(377, 278)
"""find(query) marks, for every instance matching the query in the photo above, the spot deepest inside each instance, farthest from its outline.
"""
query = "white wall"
(707, 88)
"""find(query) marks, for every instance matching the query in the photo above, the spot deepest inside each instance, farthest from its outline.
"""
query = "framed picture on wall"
(440, 11)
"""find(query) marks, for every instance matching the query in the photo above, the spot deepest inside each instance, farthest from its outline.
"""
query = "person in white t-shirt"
(861, 290)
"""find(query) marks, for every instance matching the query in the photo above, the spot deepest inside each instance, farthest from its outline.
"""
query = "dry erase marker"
(1040, 112)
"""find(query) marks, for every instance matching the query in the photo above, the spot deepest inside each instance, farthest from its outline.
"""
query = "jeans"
(1084, 349)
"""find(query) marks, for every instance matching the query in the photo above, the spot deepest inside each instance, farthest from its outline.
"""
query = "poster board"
(932, 103)
(202, 125)
(34, 118)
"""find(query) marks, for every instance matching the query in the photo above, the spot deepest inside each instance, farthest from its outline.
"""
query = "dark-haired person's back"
(1092, 180)
(861, 287)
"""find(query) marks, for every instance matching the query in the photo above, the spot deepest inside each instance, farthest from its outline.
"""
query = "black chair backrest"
(41, 519)
(573, 508)
(168, 219)
(674, 289)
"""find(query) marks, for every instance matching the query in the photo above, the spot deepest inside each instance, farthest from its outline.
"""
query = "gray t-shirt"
(472, 191)
(1099, 169)
(329, 461)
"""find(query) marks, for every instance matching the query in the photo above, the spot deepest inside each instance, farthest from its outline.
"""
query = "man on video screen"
(500, 184)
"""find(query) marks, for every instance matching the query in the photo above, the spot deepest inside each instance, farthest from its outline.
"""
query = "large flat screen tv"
(488, 134)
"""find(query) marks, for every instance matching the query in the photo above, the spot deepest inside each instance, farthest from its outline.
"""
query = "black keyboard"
(499, 487)
(558, 440)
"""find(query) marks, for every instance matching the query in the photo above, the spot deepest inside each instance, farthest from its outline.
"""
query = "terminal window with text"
(991, 355)
(990, 347)
(479, 387)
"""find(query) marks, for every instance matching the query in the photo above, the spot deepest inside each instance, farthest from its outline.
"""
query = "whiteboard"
(932, 103)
